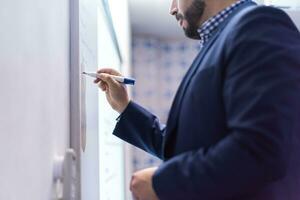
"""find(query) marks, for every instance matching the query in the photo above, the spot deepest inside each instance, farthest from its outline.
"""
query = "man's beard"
(192, 15)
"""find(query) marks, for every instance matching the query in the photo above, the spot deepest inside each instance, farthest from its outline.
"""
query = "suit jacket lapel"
(175, 108)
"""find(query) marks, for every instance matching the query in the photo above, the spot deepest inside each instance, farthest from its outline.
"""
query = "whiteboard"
(112, 172)
(89, 100)
(94, 44)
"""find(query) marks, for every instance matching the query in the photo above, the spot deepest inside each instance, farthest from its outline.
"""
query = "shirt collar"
(213, 23)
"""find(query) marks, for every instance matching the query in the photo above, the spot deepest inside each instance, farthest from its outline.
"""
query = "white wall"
(34, 95)
(284, 3)
(295, 15)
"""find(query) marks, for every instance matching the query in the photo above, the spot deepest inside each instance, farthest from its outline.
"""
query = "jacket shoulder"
(260, 17)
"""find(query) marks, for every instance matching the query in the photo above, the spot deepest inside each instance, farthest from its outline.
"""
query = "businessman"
(233, 131)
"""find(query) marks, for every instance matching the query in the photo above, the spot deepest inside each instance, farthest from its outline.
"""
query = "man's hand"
(116, 93)
(141, 185)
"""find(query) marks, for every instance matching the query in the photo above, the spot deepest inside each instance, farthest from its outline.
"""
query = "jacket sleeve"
(261, 97)
(142, 129)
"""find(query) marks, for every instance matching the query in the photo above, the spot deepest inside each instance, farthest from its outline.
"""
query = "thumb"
(108, 79)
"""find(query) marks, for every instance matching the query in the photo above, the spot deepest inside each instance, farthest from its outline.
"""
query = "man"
(234, 129)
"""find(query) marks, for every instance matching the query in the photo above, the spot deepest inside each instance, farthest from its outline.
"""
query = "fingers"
(97, 80)
(104, 77)
(111, 82)
(109, 71)
(134, 187)
(135, 197)
(103, 86)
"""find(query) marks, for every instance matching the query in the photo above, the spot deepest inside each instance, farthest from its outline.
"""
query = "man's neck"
(213, 7)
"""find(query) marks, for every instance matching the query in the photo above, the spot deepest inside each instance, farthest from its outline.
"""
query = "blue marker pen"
(120, 79)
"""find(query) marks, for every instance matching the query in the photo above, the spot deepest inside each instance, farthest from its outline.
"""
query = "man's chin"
(191, 34)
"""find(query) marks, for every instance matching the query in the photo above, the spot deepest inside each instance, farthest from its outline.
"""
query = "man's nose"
(174, 8)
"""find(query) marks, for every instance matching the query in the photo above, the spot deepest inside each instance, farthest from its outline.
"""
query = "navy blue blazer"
(233, 130)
